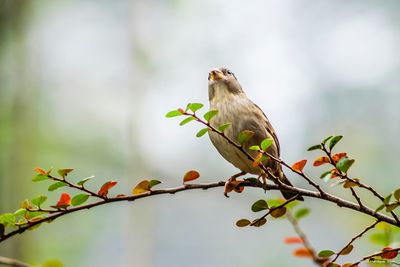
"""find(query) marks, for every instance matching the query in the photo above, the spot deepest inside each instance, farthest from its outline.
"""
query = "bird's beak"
(216, 75)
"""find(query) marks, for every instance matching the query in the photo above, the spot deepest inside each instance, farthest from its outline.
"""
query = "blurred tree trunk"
(17, 113)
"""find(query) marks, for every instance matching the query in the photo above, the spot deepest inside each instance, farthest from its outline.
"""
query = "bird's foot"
(233, 177)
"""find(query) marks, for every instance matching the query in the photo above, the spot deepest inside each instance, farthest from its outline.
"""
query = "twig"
(12, 262)
(372, 256)
(358, 183)
(354, 239)
(275, 208)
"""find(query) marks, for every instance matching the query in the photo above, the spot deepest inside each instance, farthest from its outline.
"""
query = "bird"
(227, 96)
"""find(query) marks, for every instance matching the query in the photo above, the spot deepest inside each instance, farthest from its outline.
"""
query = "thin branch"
(354, 239)
(294, 222)
(12, 262)
(372, 256)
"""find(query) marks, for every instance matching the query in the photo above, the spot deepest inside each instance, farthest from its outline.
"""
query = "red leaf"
(302, 252)
(293, 240)
(64, 201)
(40, 170)
(299, 166)
(320, 161)
(103, 192)
(389, 254)
(191, 175)
(338, 156)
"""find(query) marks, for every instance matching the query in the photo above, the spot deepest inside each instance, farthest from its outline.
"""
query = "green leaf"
(64, 172)
(344, 164)
(381, 207)
(7, 218)
(243, 223)
(387, 199)
(20, 212)
(379, 239)
(194, 106)
(210, 114)
(325, 253)
(259, 205)
(224, 126)
(185, 121)
(174, 113)
(396, 194)
(259, 222)
(154, 183)
(334, 141)
(53, 263)
(83, 181)
(301, 213)
(266, 143)
(38, 201)
(332, 264)
(325, 174)
(40, 177)
(274, 202)
(315, 147)
(327, 139)
(202, 132)
(56, 185)
(79, 199)
(255, 148)
(245, 136)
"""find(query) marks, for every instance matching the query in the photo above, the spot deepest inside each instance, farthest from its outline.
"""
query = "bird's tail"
(288, 195)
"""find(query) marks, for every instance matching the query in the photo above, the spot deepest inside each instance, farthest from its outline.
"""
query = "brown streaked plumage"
(227, 96)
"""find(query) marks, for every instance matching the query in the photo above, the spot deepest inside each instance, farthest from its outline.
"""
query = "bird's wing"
(270, 130)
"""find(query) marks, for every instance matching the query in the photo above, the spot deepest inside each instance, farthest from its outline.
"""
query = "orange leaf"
(103, 192)
(181, 110)
(299, 166)
(320, 161)
(142, 187)
(293, 240)
(191, 175)
(257, 160)
(389, 254)
(302, 252)
(40, 170)
(338, 156)
(64, 201)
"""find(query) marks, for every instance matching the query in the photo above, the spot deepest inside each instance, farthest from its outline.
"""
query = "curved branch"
(304, 192)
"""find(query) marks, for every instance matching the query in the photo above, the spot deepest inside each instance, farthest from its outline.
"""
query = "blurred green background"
(86, 84)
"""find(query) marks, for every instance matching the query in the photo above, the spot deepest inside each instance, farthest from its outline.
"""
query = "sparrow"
(227, 96)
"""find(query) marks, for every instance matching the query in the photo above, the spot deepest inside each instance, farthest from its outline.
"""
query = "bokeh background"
(86, 84)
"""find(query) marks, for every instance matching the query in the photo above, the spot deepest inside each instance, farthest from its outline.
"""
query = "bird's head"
(222, 83)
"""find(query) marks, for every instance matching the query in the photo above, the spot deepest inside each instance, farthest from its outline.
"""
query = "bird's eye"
(229, 72)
